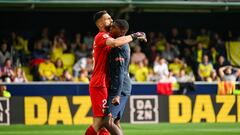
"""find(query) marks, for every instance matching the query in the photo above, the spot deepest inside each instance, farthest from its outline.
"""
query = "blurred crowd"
(175, 56)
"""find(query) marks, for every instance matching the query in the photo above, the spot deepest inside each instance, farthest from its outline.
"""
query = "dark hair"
(7, 59)
(122, 24)
(98, 15)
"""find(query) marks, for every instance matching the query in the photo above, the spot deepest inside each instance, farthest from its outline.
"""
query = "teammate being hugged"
(99, 83)
(120, 82)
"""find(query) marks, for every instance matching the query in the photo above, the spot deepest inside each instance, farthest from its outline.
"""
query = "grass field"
(129, 129)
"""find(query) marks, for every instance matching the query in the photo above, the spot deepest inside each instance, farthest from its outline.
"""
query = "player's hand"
(116, 100)
(140, 36)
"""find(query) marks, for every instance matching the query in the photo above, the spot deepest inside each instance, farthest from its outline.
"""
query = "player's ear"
(123, 32)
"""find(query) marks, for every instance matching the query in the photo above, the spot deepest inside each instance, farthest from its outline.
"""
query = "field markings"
(43, 132)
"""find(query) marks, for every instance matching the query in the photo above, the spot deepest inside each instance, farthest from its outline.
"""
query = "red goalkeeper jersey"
(100, 75)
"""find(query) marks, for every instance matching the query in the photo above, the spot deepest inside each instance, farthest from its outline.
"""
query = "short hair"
(98, 15)
(122, 24)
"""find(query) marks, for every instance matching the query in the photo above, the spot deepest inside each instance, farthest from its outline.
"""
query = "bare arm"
(64, 46)
(221, 71)
(126, 39)
(119, 41)
(237, 71)
(25, 78)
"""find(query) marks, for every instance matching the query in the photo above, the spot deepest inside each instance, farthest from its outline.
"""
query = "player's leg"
(98, 99)
(111, 127)
(118, 111)
(103, 131)
(90, 131)
(97, 127)
(117, 122)
(110, 114)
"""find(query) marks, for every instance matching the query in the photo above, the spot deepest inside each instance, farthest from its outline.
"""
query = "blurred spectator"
(83, 63)
(146, 64)
(204, 69)
(186, 49)
(213, 77)
(20, 46)
(213, 55)
(170, 78)
(66, 76)
(59, 67)
(83, 76)
(170, 52)
(59, 46)
(174, 38)
(76, 43)
(141, 72)
(38, 56)
(204, 38)
(47, 70)
(185, 82)
(160, 42)
(152, 54)
(20, 76)
(161, 68)
(220, 63)
(7, 71)
(4, 53)
(228, 73)
(199, 52)
(176, 66)
(1, 78)
(62, 35)
(152, 76)
(19, 43)
(4, 92)
(72, 48)
(137, 55)
(132, 70)
(198, 56)
(218, 43)
(189, 39)
(81, 51)
(88, 40)
(151, 38)
(45, 40)
(183, 77)
(38, 50)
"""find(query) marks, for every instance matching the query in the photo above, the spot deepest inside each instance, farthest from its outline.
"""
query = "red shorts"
(99, 100)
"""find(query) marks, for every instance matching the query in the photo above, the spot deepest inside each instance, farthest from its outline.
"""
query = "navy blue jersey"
(120, 82)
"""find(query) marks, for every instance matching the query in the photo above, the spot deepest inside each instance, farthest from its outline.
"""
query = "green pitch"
(129, 129)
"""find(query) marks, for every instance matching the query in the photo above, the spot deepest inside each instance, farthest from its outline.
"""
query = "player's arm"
(118, 77)
(126, 39)
(221, 71)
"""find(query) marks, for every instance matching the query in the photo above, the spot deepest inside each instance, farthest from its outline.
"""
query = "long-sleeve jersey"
(120, 82)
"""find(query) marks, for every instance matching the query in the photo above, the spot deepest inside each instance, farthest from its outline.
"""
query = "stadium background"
(67, 103)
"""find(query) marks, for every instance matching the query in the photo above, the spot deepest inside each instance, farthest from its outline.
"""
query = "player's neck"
(102, 30)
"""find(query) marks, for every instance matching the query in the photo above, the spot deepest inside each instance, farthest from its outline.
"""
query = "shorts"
(99, 100)
(117, 111)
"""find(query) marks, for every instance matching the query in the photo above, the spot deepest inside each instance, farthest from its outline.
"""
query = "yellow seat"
(26, 69)
(29, 77)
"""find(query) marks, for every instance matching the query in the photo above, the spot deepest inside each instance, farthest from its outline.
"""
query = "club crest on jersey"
(105, 36)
